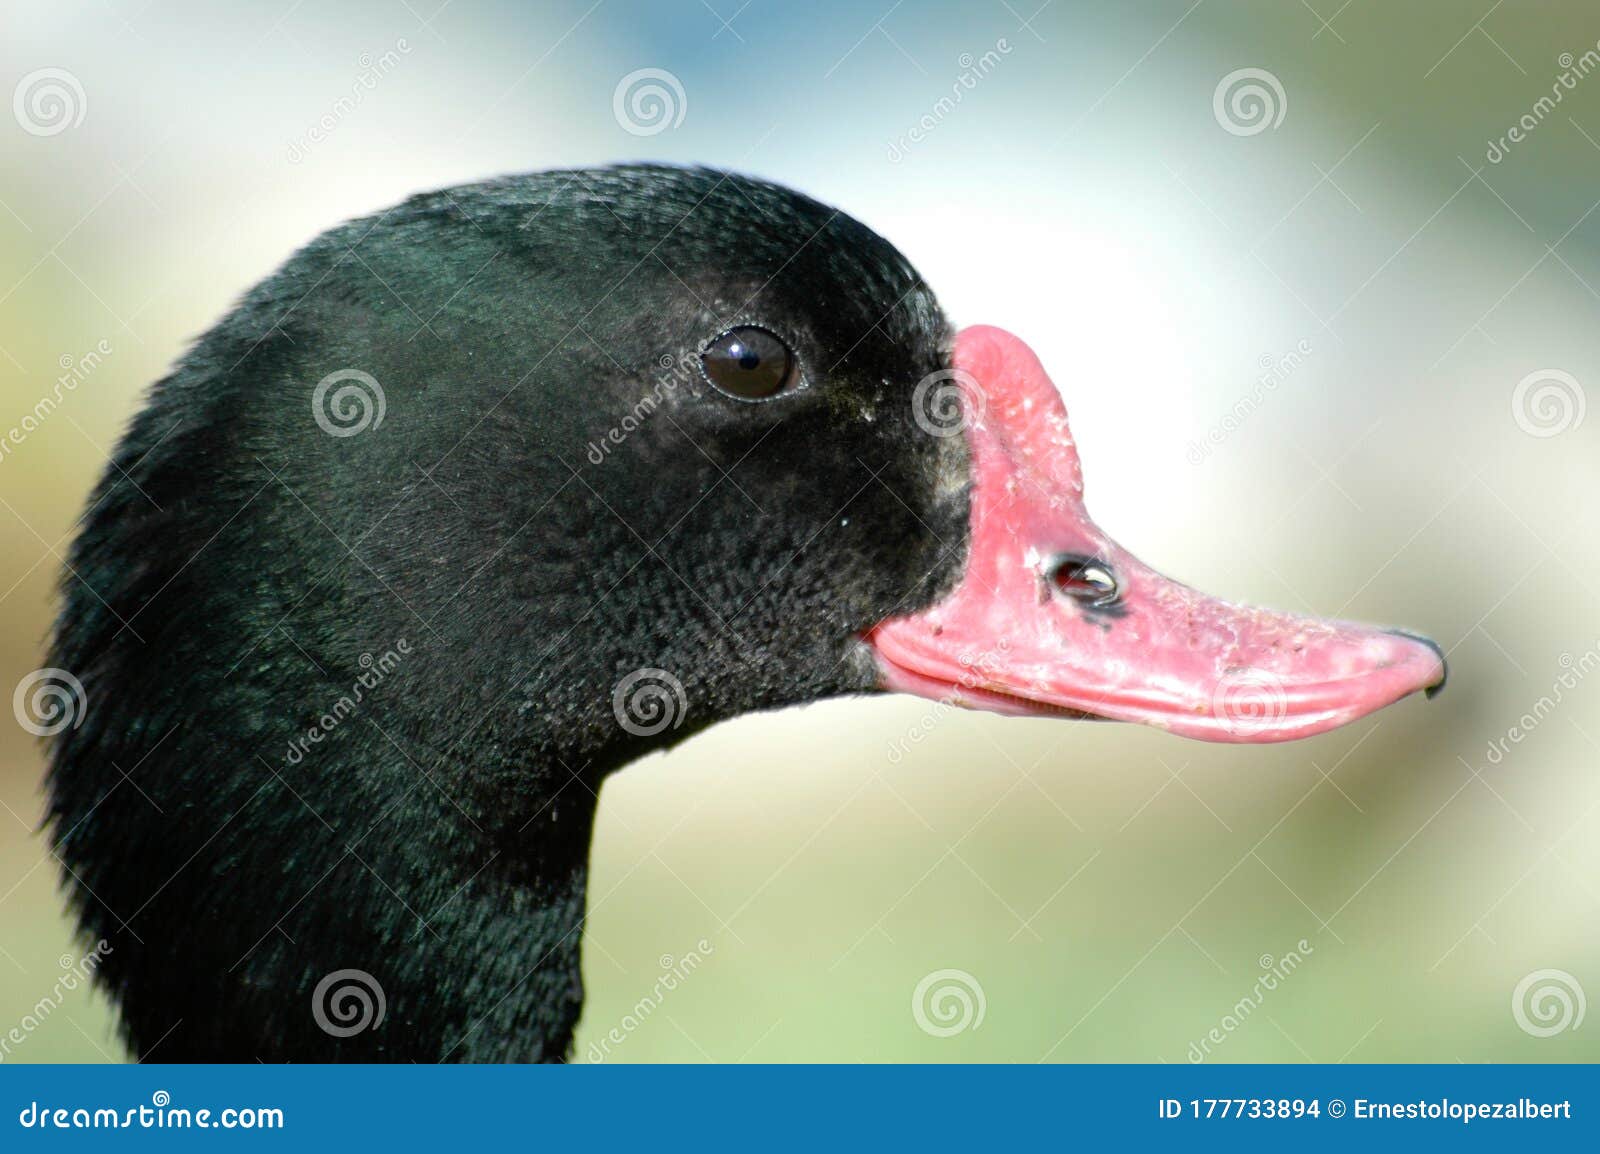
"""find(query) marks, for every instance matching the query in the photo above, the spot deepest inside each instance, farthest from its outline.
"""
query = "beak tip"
(1433, 690)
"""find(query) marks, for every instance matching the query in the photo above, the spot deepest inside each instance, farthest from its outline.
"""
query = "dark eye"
(750, 363)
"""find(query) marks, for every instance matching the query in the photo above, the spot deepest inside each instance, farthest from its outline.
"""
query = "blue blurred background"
(1325, 330)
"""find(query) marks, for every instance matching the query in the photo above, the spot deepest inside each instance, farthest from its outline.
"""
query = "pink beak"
(1052, 616)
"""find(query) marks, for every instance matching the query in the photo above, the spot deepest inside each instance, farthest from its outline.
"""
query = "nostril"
(1086, 580)
(1444, 668)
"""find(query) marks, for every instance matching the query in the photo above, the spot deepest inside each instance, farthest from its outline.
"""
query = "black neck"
(466, 914)
(476, 924)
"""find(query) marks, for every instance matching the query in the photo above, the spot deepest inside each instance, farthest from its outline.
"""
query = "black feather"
(554, 498)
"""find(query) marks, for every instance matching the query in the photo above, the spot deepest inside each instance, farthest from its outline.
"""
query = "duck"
(479, 499)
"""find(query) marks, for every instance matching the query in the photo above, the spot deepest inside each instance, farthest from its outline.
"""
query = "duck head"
(479, 499)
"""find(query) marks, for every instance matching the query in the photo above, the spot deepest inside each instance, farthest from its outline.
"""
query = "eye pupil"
(750, 363)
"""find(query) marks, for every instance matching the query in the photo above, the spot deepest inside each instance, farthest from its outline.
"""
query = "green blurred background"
(1113, 892)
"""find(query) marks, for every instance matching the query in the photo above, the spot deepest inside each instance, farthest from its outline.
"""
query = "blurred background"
(1319, 282)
